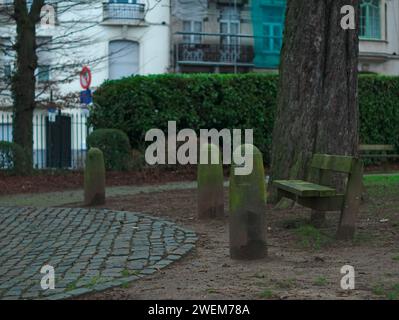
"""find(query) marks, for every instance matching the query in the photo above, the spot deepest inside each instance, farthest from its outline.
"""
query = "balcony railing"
(215, 54)
(124, 11)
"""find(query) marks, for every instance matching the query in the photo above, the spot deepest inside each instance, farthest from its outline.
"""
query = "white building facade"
(379, 36)
(114, 38)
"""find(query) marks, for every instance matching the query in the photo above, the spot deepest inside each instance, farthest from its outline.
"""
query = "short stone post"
(94, 178)
(210, 184)
(247, 210)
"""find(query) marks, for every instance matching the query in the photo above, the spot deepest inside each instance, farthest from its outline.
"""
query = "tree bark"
(24, 81)
(318, 100)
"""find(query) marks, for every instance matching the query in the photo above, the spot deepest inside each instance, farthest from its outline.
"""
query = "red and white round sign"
(85, 78)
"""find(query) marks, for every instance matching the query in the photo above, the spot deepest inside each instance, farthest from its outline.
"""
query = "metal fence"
(59, 138)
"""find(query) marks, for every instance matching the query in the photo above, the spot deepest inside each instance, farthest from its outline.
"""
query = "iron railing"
(215, 53)
(59, 141)
(124, 11)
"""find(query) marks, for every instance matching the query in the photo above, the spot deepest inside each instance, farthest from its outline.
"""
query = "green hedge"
(379, 110)
(137, 104)
(13, 158)
(115, 146)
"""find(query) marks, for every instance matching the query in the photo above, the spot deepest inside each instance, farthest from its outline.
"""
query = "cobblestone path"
(90, 249)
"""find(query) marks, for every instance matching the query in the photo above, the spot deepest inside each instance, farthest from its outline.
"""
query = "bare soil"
(302, 263)
(48, 181)
(61, 180)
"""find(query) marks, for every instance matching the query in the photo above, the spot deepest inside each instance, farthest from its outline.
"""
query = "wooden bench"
(321, 197)
(379, 151)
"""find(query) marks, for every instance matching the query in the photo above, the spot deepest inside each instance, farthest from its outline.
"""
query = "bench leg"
(317, 218)
(347, 223)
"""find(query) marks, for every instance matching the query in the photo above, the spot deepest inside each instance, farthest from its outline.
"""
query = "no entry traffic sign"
(85, 78)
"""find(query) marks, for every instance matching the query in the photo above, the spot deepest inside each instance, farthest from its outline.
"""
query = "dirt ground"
(62, 180)
(302, 263)
(49, 181)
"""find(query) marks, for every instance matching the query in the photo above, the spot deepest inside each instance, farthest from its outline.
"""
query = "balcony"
(123, 13)
(215, 54)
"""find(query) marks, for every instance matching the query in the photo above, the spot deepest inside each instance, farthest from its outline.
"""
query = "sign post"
(85, 81)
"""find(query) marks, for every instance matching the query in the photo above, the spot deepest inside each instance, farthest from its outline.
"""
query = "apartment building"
(118, 38)
(247, 35)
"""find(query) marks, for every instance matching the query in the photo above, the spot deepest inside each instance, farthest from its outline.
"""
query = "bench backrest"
(376, 147)
(333, 163)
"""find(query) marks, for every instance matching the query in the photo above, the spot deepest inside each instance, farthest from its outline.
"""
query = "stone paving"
(90, 249)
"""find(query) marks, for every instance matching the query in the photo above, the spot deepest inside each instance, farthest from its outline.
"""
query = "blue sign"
(86, 97)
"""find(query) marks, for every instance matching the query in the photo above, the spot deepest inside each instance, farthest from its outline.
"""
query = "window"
(123, 59)
(192, 26)
(44, 57)
(43, 73)
(230, 24)
(370, 19)
(272, 37)
(7, 71)
(6, 58)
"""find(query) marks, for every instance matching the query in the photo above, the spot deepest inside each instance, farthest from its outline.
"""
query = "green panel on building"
(268, 25)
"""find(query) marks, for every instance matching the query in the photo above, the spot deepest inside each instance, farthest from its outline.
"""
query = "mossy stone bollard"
(210, 185)
(247, 210)
(94, 178)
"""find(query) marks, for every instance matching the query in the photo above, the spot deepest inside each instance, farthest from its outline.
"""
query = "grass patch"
(127, 273)
(93, 281)
(266, 294)
(395, 258)
(311, 237)
(382, 186)
(381, 180)
(211, 290)
(320, 281)
(393, 293)
(125, 285)
(71, 286)
(390, 294)
(378, 290)
(286, 283)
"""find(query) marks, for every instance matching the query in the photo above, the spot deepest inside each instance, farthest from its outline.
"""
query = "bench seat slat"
(376, 147)
(304, 188)
(332, 163)
(379, 156)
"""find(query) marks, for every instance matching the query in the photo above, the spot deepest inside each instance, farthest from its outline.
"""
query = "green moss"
(252, 186)
(311, 237)
(267, 294)
(94, 178)
(210, 174)
(71, 286)
(320, 281)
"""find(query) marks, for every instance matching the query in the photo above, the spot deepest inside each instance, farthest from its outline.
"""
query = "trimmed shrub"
(140, 103)
(115, 146)
(379, 110)
(13, 158)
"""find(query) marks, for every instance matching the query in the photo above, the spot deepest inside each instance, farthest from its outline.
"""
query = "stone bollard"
(210, 185)
(247, 210)
(94, 178)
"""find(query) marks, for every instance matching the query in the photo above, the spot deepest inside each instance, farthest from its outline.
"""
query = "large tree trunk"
(318, 102)
(23, 81)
